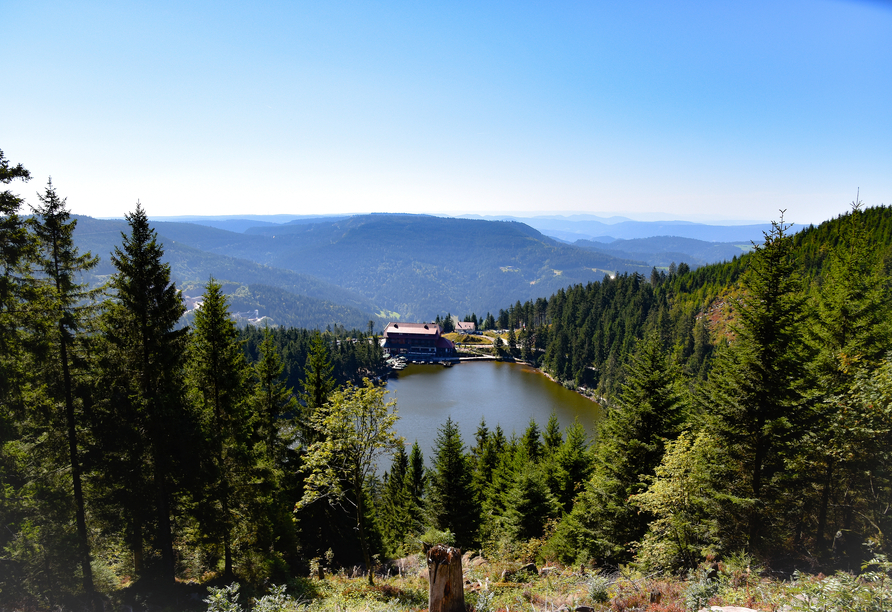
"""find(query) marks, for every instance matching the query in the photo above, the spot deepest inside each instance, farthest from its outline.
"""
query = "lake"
(507, 394)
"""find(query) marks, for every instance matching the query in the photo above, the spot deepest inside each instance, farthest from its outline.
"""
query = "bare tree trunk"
(447, 588)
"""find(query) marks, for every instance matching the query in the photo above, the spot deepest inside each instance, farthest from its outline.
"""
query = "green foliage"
(682, 501)
(842, 592)
(701, 588)
(597, 588)
(141, 453)
(451, 503)
(435, 536)
(354, 428)
(217, 383)
(71, 309)
(631, 443)
(755, 395)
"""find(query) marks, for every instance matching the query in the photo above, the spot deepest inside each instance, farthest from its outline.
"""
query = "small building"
(416, 340)
(466, 327)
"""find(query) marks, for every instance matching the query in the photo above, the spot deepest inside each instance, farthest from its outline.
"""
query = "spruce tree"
(529, 503)
(754, 397)
(396, 502)
(317, 385)
(416, 480)
(217, 382)
(573, 461)
(850, 333)
(71, 307)
(17, 253)
(145, 409)
(631, 439)
(273, 402)
(451, 502)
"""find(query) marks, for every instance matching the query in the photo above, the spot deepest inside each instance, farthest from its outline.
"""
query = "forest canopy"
(748, 410)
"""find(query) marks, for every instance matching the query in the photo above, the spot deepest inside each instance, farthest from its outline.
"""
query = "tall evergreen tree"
(144, 362)
(529, 503)
(71, 304)
(754, 396)
(276, 483)
(218, 375)
(850, 333)
(451, 502)
(631, 440)
(416, 477)
(396, 510)
(316, 385)
(274, 403)
(17, 253)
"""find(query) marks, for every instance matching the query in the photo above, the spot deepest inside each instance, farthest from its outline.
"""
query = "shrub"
(597, 588)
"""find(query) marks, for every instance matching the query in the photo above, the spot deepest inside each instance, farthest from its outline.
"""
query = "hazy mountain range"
(319, 271)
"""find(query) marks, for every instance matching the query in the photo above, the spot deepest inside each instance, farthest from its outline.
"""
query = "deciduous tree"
(354, 428)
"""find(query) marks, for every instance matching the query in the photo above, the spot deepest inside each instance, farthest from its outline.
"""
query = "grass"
(467, 338)
(621, 590)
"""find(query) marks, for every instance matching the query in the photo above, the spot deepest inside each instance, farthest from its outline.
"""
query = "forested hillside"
(286, 297)
(749, 402)
(748, 416)
(134, 451)
(416, 265)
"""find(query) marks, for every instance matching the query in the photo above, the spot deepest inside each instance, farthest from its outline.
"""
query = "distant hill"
(660, 251)
(588, 227)
(289, 298)
(412, 266)
(420, 266)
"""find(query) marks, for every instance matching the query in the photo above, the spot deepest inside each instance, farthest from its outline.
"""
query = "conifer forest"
(748, 411)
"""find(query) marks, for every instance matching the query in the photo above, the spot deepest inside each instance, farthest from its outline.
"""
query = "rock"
(529, 568)
(545, 571)
(515, 575)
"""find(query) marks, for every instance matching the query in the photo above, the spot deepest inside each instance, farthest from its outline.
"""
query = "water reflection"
(507, 394)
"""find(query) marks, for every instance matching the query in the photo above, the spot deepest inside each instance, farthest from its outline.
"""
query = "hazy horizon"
(708, 110)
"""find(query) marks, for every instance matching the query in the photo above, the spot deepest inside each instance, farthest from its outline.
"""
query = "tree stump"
(447, 587)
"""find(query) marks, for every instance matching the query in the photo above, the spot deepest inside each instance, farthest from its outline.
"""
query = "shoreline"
(537, 369)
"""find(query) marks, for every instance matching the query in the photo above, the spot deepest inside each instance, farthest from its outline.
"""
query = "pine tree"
(451, 502)
(317, 385)
(416, 479)
(631, 439)
(573, 463)
(529, 502)
(71, 304)
(396, 504)
(17, 254)
(217, 382)
(143, 368)
(849, 334)
(273, 402)
(531, 441)
(754, 395)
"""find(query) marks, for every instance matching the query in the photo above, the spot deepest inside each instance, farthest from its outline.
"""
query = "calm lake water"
(506, 394)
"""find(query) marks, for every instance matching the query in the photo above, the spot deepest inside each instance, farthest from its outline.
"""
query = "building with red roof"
(417, 341)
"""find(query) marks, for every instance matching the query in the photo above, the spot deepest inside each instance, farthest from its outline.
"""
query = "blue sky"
(715, 109)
